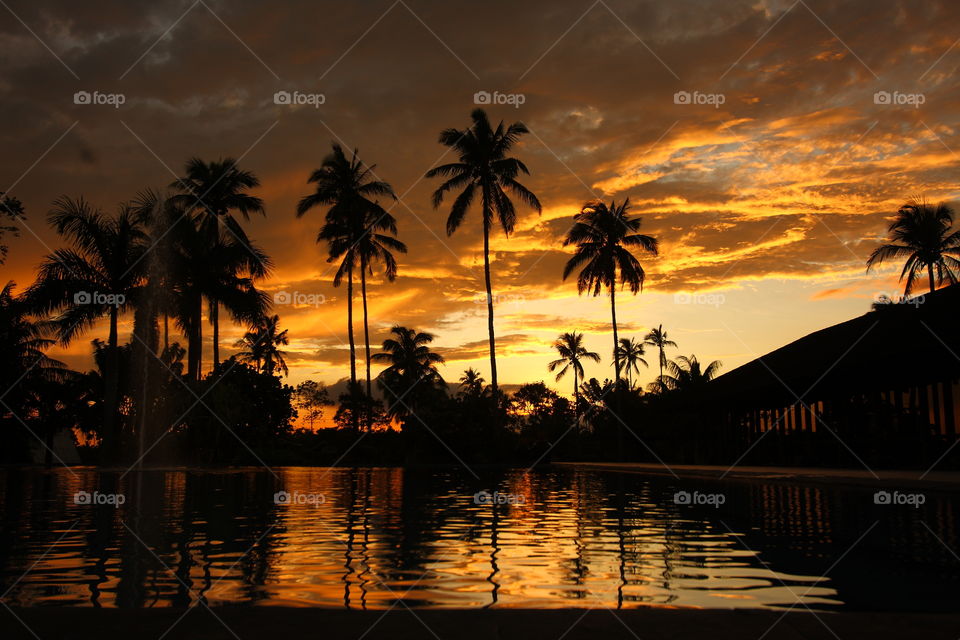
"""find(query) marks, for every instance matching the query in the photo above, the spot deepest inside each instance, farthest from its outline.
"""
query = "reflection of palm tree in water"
(365, 546)
(494, 550)
(348, 547)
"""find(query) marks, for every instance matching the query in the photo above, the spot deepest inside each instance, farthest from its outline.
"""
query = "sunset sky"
(766, 206)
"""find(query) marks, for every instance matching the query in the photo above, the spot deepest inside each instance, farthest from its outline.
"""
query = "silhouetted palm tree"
(922, 234)
(605, 237)
(215, 189)
(630, 353)
(412, 369)
(262, 344)
(23, 345)
(484, 170)
(571, 350)
(349, 189)
(211, 191)
(658, 338)
(100, 275)
(220, 269)
(471, 383)
(686, 374)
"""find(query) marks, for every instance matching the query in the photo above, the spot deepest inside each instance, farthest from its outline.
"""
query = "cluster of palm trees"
(166, 256)
(161, 257)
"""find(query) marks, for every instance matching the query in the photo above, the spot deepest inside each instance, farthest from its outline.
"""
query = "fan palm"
(923, 234)
(658, 338)
(100, 275)
(349, 189)
(570, 348)
(605, 237)
(484, 170)
(411, 370)
(262, 344)
(630, 353)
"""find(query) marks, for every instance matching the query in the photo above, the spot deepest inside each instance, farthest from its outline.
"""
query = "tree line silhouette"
(165, 255)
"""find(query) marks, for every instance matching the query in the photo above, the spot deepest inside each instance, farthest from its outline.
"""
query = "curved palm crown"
(261, 343)
(605, 237)
(570, 348)
(922, 234)
(630, 353)
(686, 374)
(484, 171)
(23, 343)
(105, 259)
(216, 188)
(658, 338)
(471, 382)
(411, 363)
(357, 229)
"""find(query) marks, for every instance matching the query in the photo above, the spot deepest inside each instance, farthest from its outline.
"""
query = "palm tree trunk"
(576, 399)
(613, 315)
(111, 433)
(493, 342)
(215, 320)
(366, 336)
(353, 347)
(660, 379)
(194, 340)
(616, 365)
(930, 275)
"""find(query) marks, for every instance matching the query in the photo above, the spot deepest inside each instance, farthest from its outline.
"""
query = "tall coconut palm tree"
(262, 344)
(658, 338)
(630, 353)
(101, 274)
(221, 270)
(211, 191)
(687, 374)
(605, 238)
(349, 189)
(570, 348)
(374, 247)
(411, 369)
(485, 171)
(923, 234)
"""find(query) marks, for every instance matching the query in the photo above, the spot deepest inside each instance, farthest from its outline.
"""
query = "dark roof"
(892, 346)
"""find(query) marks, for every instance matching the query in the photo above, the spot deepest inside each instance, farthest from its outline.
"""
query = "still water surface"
(376, 538)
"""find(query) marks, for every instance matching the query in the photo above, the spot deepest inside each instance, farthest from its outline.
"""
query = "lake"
(375, 538)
